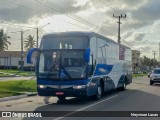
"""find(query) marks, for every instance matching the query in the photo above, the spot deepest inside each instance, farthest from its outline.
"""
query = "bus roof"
(83, 33)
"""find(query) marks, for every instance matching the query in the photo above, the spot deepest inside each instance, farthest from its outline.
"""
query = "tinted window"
(64, 42)
(156, 71)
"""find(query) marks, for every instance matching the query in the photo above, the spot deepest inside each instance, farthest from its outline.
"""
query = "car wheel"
(151, 82)
(99, 92)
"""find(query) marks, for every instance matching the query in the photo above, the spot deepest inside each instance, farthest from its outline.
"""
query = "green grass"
(1, 75)
(138, 75)
(18, 72)
(9, 71)
(16, 87)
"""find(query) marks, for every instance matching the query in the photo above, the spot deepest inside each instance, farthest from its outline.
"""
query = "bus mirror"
(87, 55)
(29, 54)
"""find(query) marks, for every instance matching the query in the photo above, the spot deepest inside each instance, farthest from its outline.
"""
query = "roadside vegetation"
(16, 72)
(16, 87)
(4, 41)
(1, 75)
(139, 75)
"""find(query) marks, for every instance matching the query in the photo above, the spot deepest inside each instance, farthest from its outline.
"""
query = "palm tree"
(29, 43)
(4, 41)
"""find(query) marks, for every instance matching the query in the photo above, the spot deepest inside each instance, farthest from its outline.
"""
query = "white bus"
(75, 64)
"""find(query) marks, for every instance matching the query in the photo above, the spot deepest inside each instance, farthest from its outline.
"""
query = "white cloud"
(80, 2)
(142, 18)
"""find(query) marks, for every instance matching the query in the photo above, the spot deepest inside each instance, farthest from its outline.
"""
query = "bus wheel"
(123, 87)
(61, 98)
(99, 92)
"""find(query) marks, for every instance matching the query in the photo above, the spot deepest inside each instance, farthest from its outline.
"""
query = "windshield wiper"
(49, 71)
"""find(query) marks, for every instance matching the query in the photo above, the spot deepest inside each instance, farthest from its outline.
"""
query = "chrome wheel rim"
(99, 92)
(124, 85)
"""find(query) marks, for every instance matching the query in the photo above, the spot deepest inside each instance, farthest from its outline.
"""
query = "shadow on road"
(156, 85)
(129, 100)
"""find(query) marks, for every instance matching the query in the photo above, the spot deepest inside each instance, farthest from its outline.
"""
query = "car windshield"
(66, 64)
(156, 71)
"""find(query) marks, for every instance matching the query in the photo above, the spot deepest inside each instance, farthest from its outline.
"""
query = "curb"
(14, 75)
(17, 76)
(11, 76)
(17, 97)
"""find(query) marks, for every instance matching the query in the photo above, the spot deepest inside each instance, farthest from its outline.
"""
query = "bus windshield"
(64, 64)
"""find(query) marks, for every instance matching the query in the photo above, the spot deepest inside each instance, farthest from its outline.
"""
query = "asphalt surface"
(139, 96)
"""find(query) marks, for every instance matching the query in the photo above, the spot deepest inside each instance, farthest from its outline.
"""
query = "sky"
(139, 30)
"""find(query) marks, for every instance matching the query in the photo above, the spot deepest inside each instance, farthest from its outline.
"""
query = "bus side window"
(91, 66)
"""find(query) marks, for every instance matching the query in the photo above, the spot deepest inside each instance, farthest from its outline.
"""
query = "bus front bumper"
(68, 92)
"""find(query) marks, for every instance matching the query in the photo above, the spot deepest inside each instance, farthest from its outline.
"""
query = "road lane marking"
(85, 107)
(91, 105)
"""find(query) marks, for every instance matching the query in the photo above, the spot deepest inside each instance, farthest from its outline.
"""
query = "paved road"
(139, 96)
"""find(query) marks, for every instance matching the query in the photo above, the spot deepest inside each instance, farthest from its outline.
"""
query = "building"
(136, 62)
(12, 59)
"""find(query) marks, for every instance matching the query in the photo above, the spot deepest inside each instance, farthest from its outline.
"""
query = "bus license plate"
(59, 93)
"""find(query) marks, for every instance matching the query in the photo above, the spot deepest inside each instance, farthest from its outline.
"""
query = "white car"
(149, 74)
(155, 76)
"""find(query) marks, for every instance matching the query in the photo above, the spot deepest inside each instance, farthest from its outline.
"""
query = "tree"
(149, 62)
(29, 43)
(4, 41)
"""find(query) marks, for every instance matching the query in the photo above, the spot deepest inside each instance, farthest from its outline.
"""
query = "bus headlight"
(79, 87)
(42, 86)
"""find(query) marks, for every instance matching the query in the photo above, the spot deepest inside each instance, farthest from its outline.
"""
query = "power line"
(101, 6)
(76, 25)
(80, 20)
(18, 4)
(102, 3)
(119, 23)
(28, 8)
(108, 5)
(124, 12)
(2, 22)
(100, 29)
(63, 20)
(21, 30)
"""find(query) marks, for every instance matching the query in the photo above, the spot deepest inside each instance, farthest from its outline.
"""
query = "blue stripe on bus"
(103, 69)
(74, 82)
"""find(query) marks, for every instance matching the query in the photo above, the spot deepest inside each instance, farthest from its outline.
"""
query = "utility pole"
(37, 30)
(37, 36)
(154, 53)
(21, 51)
(119, 25)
